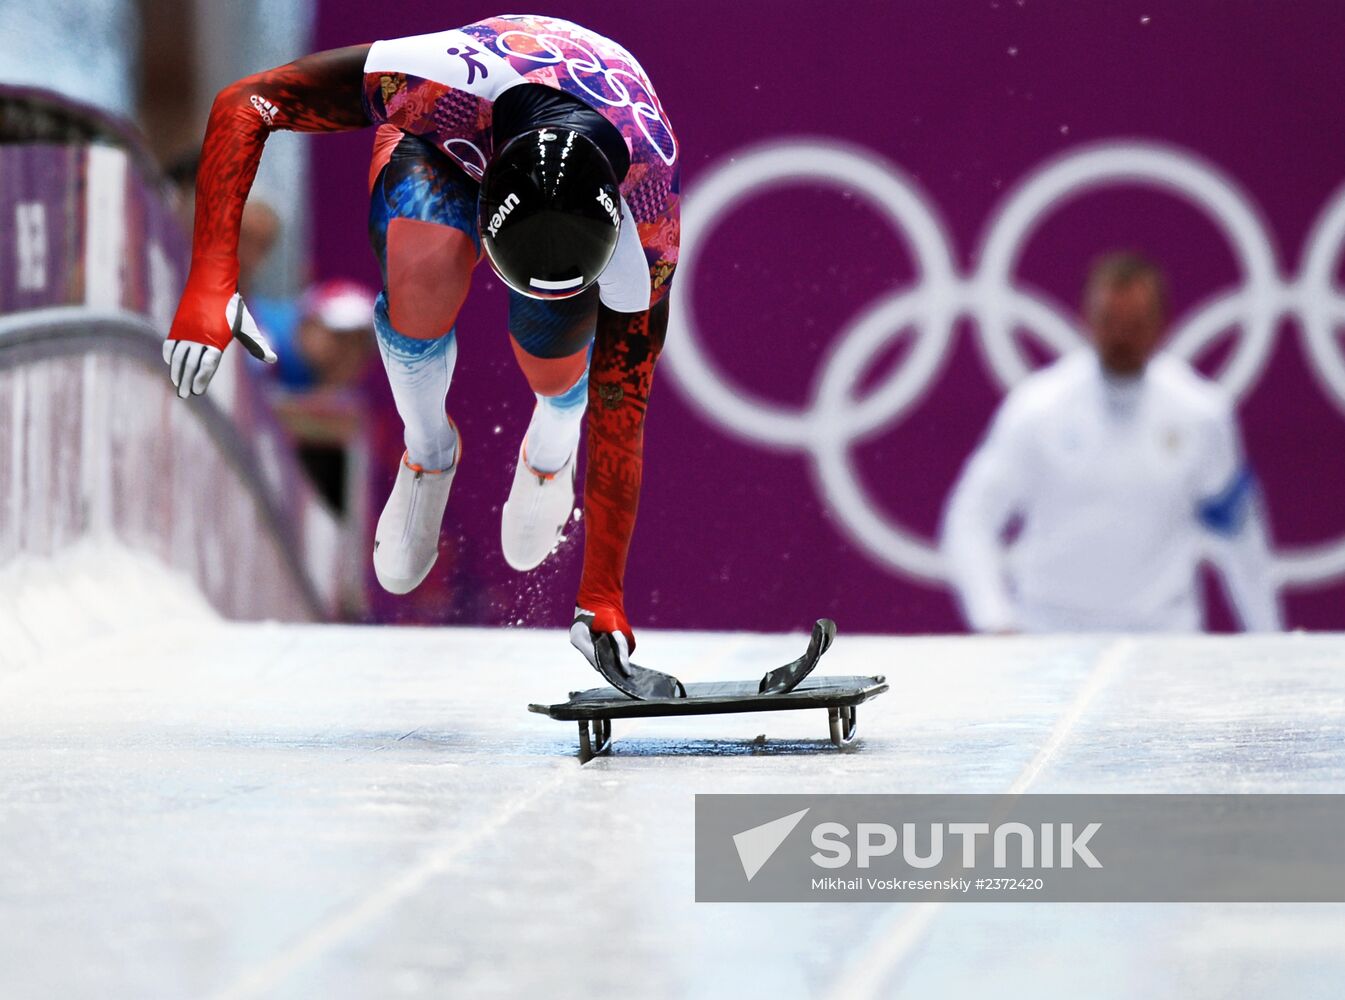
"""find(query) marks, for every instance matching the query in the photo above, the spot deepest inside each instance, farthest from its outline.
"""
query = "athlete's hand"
(197, 341)
(604, 637)
(599, 626)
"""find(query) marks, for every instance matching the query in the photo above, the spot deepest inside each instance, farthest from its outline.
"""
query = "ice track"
(208, 809)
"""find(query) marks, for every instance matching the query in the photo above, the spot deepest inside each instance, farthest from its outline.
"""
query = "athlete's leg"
(422, 224)
(552, 341)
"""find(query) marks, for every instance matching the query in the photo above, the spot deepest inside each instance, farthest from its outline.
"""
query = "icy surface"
(91, 590)
(211, 809)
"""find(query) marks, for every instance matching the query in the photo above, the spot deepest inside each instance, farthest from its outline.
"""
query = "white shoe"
(406, 541)
(539, 505)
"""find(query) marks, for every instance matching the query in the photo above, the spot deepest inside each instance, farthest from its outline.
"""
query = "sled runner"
(595, 709)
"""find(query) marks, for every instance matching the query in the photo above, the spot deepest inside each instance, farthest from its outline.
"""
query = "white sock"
(420, 372)
(553, 432)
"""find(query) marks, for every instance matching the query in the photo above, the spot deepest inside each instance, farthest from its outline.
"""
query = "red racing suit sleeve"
(318, 93)
(625, 351)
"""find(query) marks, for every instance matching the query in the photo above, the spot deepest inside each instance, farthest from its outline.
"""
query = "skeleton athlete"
(541, 145)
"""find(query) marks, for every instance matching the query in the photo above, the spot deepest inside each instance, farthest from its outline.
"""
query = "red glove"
(606, 618)
(588, 625)
(202, 315)
(194, 346)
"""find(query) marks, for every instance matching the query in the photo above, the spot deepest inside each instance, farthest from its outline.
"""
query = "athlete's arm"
(1242, 553)
(990, 490)
(318, 93)
(625, 351)
(1232, 511)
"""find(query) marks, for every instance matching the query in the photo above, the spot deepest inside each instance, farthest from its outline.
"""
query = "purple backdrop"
(968, 100)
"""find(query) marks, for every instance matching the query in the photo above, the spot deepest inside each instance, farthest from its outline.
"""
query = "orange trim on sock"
(457, 455)
(523, 457)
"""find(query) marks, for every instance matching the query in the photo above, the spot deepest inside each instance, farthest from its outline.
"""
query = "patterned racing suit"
(440, 90)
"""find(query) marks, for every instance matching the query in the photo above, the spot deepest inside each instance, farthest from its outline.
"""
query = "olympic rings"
(603, 83)
(834, 420)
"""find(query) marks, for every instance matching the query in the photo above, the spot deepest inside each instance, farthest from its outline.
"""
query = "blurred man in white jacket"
(1124, 470)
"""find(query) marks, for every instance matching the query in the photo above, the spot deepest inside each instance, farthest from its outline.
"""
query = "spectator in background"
(323, 360)
(1122, 470)
(257, 237)
(332, 341)
(179, 176)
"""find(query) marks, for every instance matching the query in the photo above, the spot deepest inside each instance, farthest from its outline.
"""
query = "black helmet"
(549, 212)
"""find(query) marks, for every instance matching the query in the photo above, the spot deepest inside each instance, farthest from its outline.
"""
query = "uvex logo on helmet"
(502, 213)
(543, 230)
(605, 200)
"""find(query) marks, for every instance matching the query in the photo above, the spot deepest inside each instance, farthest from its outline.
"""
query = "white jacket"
(1122, 487)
